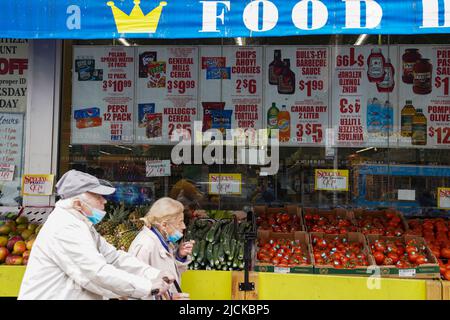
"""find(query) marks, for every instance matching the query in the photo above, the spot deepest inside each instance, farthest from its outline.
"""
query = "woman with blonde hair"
(156, 244)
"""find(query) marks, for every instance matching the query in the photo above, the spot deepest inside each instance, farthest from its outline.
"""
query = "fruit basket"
(344, 254)
(285, 219)
(336, 221)
(283, 253)
(380, 222)
(403, 257)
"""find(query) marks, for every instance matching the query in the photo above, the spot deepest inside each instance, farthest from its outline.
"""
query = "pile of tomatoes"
(283, 253)
(398, 253)
(279, 222)
(444, 267)
(385, 224)
(436, 234)
(329, 224)
(338, 252)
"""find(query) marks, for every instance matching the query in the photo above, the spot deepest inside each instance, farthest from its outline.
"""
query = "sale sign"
(231, 88)
(297, 93)
(364, 95)
(37, 184)
(331, 180)
(6, 172)
(13, 75)
(102, 95)
(443, 198)
(157, 168)
(425, 96)
(166, 94)
(225, 184)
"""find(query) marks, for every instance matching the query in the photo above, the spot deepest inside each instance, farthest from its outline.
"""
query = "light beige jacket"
(151, 248)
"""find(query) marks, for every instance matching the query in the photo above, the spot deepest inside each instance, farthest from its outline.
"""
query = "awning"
(97, 19)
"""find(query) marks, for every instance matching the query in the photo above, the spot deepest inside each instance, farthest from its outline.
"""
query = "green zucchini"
(210, 235)
(241, 251)
(221, 254)
(209, 253)
(216, 254)
(196, 249)
(233, 249)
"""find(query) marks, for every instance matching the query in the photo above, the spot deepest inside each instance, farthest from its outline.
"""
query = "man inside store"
(71, 261)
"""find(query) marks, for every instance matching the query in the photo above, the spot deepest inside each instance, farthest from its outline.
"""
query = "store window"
(363, 121)
(13, 106)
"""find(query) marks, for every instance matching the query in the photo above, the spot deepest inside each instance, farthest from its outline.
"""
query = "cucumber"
(224, 234)
(221, 254)
(201, 252)
(210, 235)
(216, 254)
(235, 262)
(196, 249)
(218, 232)
(241, 251)
(227, 246)
(209, 252)
(232, 250)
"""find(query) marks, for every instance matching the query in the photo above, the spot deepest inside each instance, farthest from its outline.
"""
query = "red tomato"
(393, 257)
(412, 257)
(421, 259)
(379, 257)
(445, 253)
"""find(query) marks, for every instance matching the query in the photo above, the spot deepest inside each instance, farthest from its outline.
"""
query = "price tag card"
(407, 273)
(37, 184)
(296, 92)
(157, 168)
(443, 198)
(364, 95)
(281, 270)
(424, 102)
(331, 180)
(6, 172)
(225, 184)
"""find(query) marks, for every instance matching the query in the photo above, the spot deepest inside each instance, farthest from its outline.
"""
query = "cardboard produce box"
(352, 237)
(301, 236)
(292, 210)
(333, 213)
(425, 271)
(362, 213)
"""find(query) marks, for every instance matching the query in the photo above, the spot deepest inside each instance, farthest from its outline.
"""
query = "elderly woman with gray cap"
(70, 260)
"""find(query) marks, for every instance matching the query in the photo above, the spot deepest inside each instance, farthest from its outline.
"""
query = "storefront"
(335, 110)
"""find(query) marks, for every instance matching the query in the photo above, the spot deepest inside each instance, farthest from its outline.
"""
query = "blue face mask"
(97, 215)
(175, 237)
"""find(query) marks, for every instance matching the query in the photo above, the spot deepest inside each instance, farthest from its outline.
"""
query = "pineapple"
(111, 239)
(136, 215)
(116, 217)
(126, 239)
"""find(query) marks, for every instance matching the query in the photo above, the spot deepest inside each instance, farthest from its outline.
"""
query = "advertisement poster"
(424, 96)
(443, 198)
(225, 184)
(166, 93)
(13, 75)
(157, 168)
(7, 172)
(11, 146)
(102, 95)
(364, 95)
(297, 93)
(331, 180)
(37, 184)
(231, 88)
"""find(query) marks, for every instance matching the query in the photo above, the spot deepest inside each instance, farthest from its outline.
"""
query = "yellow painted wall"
(207, 285)
(10, 280)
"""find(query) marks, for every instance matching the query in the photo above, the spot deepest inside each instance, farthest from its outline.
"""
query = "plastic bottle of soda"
(272, 118)
(284, 124)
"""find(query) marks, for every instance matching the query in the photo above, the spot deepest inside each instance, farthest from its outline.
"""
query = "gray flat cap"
(74, 183)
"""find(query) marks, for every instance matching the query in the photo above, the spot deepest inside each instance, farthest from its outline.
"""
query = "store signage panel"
(7, 172)
(444, 198)
(37, 184)
(331, 180)
(157, 168)
(92, 19)
(225, 184)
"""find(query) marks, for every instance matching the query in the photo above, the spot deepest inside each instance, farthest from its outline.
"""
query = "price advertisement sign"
(364, 95)
(331, 180)
(231, 88)
(425, 96)
(443, 198)
(157, 168)
(225, 184)
(102, 95)
(297, 93)
(6, 172)
(37, 184)
(166, 94)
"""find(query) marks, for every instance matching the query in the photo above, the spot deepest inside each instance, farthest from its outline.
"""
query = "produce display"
(338, 251)
(383, 223)
(283, 253)
(219, 244)
(444, 268)
(329, 223)
(17, 237)
(435, 232)
(399, 252)
(121, 226)
(279, 222)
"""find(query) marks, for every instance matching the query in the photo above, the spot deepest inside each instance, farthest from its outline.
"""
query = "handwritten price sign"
(7, 172)
(157, 168)
(444, 198)
(37, 184)
(331, 180)
(225, 183)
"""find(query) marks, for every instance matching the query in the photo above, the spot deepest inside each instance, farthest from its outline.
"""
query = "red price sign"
(179, 127)
(348, 107)
(442, 134)
(314, 131)
(443, 83)
(246, 84)
(116, 85)
(180, 85)
(311, 86)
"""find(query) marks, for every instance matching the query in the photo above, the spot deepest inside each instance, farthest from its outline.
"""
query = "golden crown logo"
(137, 22)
